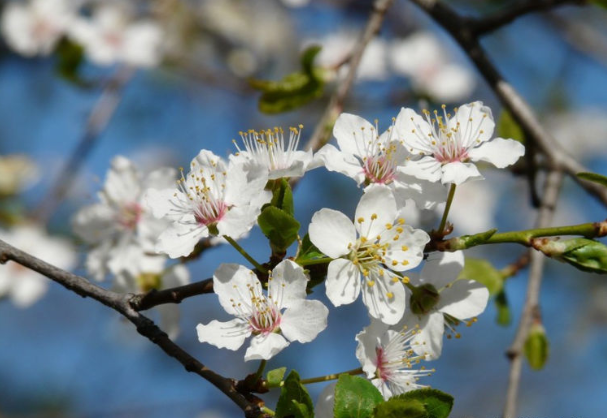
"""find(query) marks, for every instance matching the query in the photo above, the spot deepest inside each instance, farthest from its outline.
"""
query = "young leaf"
(503, 309)
(279, 227)
(483, 272)
(294, 400)
(507, 127)
(436, 404)
(274, 377)
(308, 250)
(536, 347)
(594, 177)
(401, 408)
(355, 397)
(283, 196)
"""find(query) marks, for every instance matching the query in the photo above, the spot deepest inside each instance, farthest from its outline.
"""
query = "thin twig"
(504, 17)
(146, 327)
(153, 298)
(531, 308)
(98, 120)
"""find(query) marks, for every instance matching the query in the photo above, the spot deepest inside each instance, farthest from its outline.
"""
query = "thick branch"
(531, 309)
(502, 18)
(145, 326)
(98, 120)
(153, 298)
(460, 29)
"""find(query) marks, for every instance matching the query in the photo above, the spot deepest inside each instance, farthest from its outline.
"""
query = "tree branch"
(98, 120)
(531, 308)
(487, 24)
(460, 29)
(153, 298)
(146, 327)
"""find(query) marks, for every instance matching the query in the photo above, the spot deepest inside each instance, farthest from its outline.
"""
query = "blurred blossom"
(34, 27)
(25, 286)
(295, 3)
(111, 36)
(425, 61)
(337, 47)
(582, 132)
(17, 172)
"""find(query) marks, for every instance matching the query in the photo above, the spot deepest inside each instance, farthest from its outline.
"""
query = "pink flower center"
(382, 372)
(450, 151)
(265, 319)
(210, 212)
(130, 215)
(379, 169)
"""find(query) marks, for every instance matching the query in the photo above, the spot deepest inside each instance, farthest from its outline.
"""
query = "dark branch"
(146, 327)
(502, 18)
(153, 298)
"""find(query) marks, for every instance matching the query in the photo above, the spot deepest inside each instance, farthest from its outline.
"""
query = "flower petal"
(377, 207)
(499, 152)
(123, 183)
(326, 402)
(458, 173)
(352, 133)
(264, 347)
(414, 130)
(233, 285)
(341, 162)
(95, 223)
(343, 282)
(425, 194)
(169, 319)
(463, 299)
(368, 341)
(179, 239)
(304, 321)
(332, 231)
(230, 335)
(428, 340)
(28, 288)
(407, 251)
(287, 284)
(385, 298)
(442, 269)
(474, 123)
(162, 202)
(424, 168)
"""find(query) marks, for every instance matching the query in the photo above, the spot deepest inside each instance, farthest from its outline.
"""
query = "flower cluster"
(142, 221)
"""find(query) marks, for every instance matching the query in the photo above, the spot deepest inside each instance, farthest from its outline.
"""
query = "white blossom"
(120, 228)
(371, 250)
(423, 59)
(268, 150)
(22, 285)
(111, 36)
(34, 27)
(446, 146)
(17, 173)
(215, 198)
(240, 294)
(388, 359)
(453, 301)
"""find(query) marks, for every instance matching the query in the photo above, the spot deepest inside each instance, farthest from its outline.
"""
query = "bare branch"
(531, 308)
(502, 18)
(153, 298)
(146, 327)
(99, 117)
(520, 110)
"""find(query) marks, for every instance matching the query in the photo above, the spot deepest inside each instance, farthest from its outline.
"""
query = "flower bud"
(149, 281)
(536, 347)
(585, 254)
(423, 299)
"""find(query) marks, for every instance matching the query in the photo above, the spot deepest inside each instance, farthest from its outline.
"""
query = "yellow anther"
(360, 220)
(388, 226)
(370, 283)
(404, 248)
(405, 263)
(374, 216)
(389, 295)
(401, 221)
(405, 280)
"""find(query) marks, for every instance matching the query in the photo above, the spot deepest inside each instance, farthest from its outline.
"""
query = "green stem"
(314, 261)
(331, 376)
(245, 254)
(268, 411)
(443, 221)
(259, 373)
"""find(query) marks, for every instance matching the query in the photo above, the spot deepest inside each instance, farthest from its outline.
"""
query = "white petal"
(179, 239)
(352, 133)
(385, 299)
(97, 259)
(474, 123)
(230, 335)
(326, 402)
(499, 152)
(425, 194)
(332, 231)
(287, 284)
(176, 275)
(341, 162)
(377, 207)
(407, 252)
(414, 130)
(429, 338)
(442, 268)
(233, 283)
(343, 282)
(242, 185)
(238, 221)
(162, 178)
(425, 168)
(458, 173)
(28, 288)
(162, 202)
(123, 182)
(264, 347)
(463, 299)
(304, 321)
(368, 341)
(169, 319)
(95, 223)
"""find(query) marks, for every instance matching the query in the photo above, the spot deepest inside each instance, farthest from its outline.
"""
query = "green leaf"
(504, 317)
(274, 377)
(70, 56)
(594, 177)
(583, 253)
(483, 272)
(536, 347)
(436, 404)
(279, 227)
(401, 408)
(507, 127)
(355, 397)
(294, 400)
(308, 250)
(283, 196)
(295, 89)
